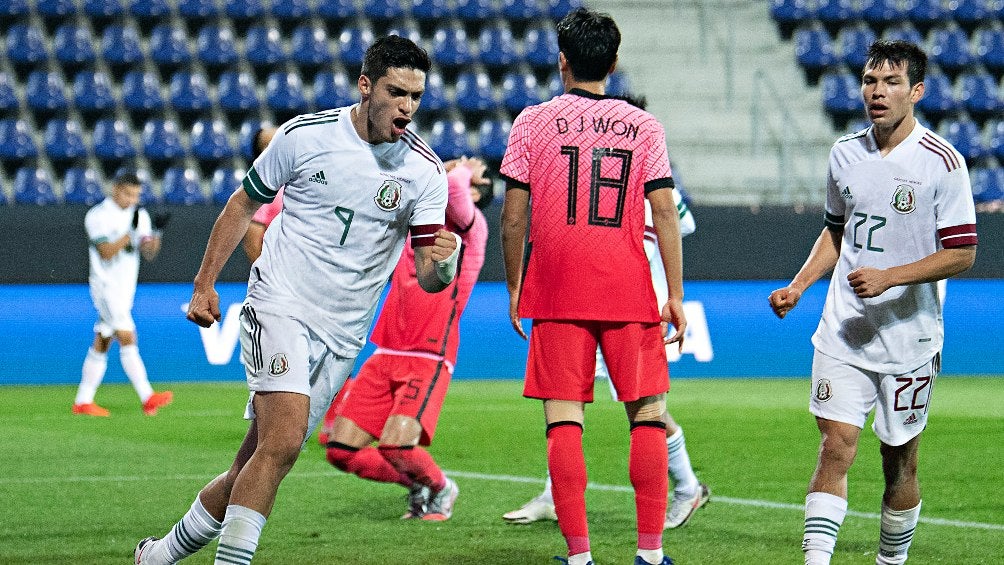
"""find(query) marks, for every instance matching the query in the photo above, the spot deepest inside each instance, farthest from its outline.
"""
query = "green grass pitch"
(83, 490)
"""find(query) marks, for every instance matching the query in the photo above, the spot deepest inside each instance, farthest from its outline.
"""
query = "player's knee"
(397, 455)
(341, 455)
(837, 451)
(647, 409)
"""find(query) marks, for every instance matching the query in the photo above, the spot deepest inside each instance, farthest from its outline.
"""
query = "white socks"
(680, 470)
(133, 366)
(239, 540)
(580, 558)
(652, 556)
(897, 533)
(824, 513)
(91, 375)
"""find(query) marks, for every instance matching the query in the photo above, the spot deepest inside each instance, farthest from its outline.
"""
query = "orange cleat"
(157, 400)
(90, 409)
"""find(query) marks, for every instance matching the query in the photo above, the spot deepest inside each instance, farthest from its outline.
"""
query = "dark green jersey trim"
(256, 189)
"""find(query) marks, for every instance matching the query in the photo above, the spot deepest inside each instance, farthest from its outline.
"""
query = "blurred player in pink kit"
(396, 398)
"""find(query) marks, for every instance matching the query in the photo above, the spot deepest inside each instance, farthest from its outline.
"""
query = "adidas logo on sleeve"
(318, 177)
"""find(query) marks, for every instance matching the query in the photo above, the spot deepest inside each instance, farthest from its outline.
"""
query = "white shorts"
(845, 393)
(280, 354)
(114, 314)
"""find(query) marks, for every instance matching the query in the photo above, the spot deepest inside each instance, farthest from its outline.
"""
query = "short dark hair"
(896, 53)
(257, 146)
(589, 41)
(391, 52)
(126, 176)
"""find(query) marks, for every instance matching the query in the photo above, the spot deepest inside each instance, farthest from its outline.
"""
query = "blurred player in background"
(264, 216)
(357, 182)
(118, 231)
(397, 396)
(899, 218)
(578, 170)
(689, 493)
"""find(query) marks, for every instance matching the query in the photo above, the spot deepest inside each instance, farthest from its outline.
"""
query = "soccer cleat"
(564, 560)
(440, 506)
(418, 500)
(540, 508)
(157, 400)
(683, 507)
(90, 409)
(141, 548)
(666, 560)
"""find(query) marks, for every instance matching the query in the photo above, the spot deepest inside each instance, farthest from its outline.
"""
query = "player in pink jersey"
(397, 395)
(578, 169)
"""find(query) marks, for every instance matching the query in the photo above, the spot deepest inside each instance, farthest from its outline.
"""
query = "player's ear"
(365, 86)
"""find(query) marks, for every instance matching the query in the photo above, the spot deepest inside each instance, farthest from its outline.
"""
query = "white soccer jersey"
(116, 277)
(347, 208)
(893, 211)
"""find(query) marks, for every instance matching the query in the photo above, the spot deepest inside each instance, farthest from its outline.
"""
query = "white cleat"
(141, 547)
(683, 507)
(540, 508)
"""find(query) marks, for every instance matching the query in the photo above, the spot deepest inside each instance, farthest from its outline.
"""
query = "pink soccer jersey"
(267, 212)
(414, 320)
(588, 162)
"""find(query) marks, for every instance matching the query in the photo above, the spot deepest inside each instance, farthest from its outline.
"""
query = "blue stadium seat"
(834, 14)
(854, 42)
(989, 48)
(169, 48)
(842, 97)
(189, 95)
(13, 11)
(333, 90)
(18, 147)
(924, 14)
(197, 13)
(309, 49)
(430, 11)
(971, 13)
(216, 48)
(183, 187)
(988, 185)
(557, 9)
(245, 137)
(475, 96)
(939, 99)
(352, 45)
(435, 100)
(519, 90)
(243, 13)
(618, 84)
(32, 185)
(141, 95)
(237, 95)
(10, 104)
(979, 95)
(81, 185)
(224, 182)
(211, 143)
(450, 49)
(497, 46)
(64, 143)
(149, 13)
(995, 139)
(903, 32)
(522, 10)
(284, 96)
(73, 47)
(880, 14)
(113, 145)
(814, 51)
(101, 13)
(93, 95)
(45, 95)
(55, 12)
(493, 137)
(950, 49)
(336, 12)
(541, 46)
(263, 49)
(449, 139)
(406, 28)
(554, 86)
(964, 134)
(788, 15)
(26, 48)
(475, 10)
(162, 145)
(290, 13)
(120, 48)
(383, 10)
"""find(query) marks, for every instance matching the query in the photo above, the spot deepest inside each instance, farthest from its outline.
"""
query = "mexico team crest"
(278, 365)
(388, 196)
(824, 391)
(903, 200)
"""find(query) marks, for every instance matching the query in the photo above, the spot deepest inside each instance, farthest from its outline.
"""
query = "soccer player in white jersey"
(899, 218)
(119, 231)
(689, 493)
(357, 182)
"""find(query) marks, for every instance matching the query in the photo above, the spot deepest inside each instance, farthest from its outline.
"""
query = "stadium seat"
(554, 86)
(245, 137)
(448, 139)
(162, 145)
(120, 48)
(430, 11)
(183, 187)
(986, 185)
(880, 14)
(197, 13)
(618, 84)
(450, 48)
(475, 96)
(26, 48)
(964, 134)
(210, 142)
(989, 49)
(9, 102)
(284, 96)
(237, 95)
(995, 139)
(924, 14)
(541, 47)
(113, 145)
(519, 90)
(189, 95)
(141, 95)
(93, 95)
(383, 10)
(224, 182)
(950, 49)
(814, 51)
(435, 100)
(834, 14)
(406, 28)
(353, 42)
(309, 49)
(493, 137)
(979, 95)
(101, 13)
(32, 185)
(243, 13)
(497, 47)
(854, 42)
(903, 32)
(13, 11)
(788, 15)
(939, 99)
(18, 147)
(149, 13)
(73, 47)
(263, 49)
(216, 48)
(169, 49)
(471, 11)
(55, 12)
(45, 95)
(289, 13)
(522, 10)
(336, 12)
(333, 90)
(842, 97)
(81, 185)
(64, 143)
(971, 13)
(557, 9)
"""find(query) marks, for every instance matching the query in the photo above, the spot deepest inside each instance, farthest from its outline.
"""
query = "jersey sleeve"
(98, 231)
(954, 209)
(687, 223)
(836, 207)
(430, 211)
(144, 228)
(273, 168)
(516, 160)
(460, 206)
(657, 172)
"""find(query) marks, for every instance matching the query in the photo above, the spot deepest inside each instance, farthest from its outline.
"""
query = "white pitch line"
(481, 477)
